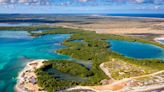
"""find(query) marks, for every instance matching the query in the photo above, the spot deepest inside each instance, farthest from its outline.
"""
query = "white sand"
(23, 83)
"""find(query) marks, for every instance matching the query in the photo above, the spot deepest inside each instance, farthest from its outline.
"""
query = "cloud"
(136, 1)
(159, 1)
(83, 0)
(78, 2)
(156, 7)
(4, 1)
(139, 1)
(29, 2)
(23, 1)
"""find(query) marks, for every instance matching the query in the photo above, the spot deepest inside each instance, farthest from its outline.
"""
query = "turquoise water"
(137, 49)
(17, 48)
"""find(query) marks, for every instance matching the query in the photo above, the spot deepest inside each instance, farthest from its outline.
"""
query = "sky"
(82, 6)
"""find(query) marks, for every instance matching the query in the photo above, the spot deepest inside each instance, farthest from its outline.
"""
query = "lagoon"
(18, 47)
(137, 50)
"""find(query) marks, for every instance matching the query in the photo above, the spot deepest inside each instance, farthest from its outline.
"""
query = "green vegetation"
(57, 30)
(95, 48)
(69, 67)
(50, 83)
(149, 64)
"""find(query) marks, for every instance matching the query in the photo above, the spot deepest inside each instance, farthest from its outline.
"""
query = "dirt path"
(106, 71)
(123, 85)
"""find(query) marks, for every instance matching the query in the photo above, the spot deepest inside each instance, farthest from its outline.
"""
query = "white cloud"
(83, 0)
(23, 1)
(4, 1)
(42, 2)
(139, 1)
(64, 2)
(156, 7)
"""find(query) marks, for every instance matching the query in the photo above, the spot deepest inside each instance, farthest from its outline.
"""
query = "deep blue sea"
(138, 15)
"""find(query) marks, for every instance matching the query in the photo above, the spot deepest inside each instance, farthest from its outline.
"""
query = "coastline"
(124, 85)
(26, 80)
(157, 39)
(33, 65)
(33, 87)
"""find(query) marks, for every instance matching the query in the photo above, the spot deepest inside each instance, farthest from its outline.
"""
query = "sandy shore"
(26, 80)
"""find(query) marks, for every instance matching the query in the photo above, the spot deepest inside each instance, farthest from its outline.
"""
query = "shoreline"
(20, 79)
(26, 80)
(28, 72)
(24, 84)
(157, 39)
(124, 85)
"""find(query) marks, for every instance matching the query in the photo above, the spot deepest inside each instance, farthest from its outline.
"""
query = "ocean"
(138, 15)
(6, 16)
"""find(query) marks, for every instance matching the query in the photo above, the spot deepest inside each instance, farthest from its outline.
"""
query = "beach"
(27, 79)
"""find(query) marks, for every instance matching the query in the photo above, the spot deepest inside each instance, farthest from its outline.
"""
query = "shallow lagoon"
(17, 48)
(137, 49)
